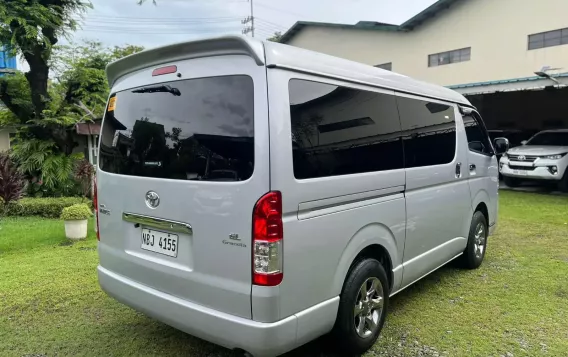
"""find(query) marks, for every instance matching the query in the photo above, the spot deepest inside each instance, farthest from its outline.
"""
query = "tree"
(81, 84)
(78, 91)
(32, 29)
(276, 38)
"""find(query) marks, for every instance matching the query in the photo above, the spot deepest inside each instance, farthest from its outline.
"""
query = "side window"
(477, 137)
(341, 131)
(429, 132)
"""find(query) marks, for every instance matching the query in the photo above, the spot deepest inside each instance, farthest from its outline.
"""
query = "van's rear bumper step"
(257, 338)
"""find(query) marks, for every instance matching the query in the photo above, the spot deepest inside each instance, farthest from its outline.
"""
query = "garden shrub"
(50, 173)
(76, 212)
(48, 207)
(12, 182)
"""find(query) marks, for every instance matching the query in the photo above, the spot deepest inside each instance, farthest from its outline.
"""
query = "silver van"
(258, 195)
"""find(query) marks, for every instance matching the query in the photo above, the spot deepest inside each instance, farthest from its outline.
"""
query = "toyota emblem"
(522, 158)
(152, 199)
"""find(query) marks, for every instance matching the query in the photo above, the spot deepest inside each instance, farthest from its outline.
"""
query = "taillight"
(267, 238)
(96, 204)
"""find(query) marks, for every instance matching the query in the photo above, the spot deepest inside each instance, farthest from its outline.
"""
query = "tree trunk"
(37, 77)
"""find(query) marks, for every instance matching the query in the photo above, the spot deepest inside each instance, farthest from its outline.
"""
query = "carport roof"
(503, 81)
(512, 84)
(409, 25)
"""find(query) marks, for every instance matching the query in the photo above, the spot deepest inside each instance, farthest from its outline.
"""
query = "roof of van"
(278, 55)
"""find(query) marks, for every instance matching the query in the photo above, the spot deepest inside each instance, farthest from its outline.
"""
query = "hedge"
(48, 207)
(77, 212)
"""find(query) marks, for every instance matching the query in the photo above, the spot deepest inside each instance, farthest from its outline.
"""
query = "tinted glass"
(198, 129)
(341, 131)
(477, 137)
(429, 132)
(550, 138)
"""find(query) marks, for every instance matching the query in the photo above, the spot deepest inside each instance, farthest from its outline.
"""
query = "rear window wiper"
(156, 89)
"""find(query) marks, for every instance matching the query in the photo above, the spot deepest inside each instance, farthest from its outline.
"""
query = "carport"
(523, 106)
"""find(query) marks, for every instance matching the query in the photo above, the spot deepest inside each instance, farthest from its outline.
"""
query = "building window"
(387, 66)
(455, 56)
(548, 39)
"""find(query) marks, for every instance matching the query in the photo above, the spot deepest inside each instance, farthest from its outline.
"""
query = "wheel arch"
(482, 202)
(372, 241)
(482, 207)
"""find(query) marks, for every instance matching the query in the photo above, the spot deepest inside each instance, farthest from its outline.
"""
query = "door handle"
(458, 169)
(472, 167)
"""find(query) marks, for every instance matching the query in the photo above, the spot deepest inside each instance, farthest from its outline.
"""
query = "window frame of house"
(449, 57)
(386, 66)
(546, 39)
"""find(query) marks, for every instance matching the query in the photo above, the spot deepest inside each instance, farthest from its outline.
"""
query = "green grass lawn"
(516, 303)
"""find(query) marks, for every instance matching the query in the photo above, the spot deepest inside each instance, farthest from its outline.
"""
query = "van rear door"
(183, 159)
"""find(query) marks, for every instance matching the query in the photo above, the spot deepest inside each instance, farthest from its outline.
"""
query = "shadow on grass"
(541, 188)
(321, 347)
(324, 346)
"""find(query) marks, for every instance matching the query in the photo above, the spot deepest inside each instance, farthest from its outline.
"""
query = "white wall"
(496, 30)
(4, 140)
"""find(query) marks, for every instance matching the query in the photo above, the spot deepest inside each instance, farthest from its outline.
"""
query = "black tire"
(345, 332)
(511, 181)
(563, 184)
(472, 257)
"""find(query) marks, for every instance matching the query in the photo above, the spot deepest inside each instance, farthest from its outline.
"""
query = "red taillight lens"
(164, 70)
(96, 204)
(267, 238)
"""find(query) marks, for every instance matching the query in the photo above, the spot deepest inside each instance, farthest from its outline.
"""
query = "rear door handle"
(472, 167)
(458, 169)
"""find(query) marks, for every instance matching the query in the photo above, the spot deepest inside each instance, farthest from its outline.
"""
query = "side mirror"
(524, 142)
(501, 145)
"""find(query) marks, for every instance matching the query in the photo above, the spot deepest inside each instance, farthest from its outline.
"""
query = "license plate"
(160, 242)
(520, 172)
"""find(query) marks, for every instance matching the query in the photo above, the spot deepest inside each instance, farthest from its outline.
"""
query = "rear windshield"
(195, 129)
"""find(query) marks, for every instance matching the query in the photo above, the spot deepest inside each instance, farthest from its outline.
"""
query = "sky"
(119, 22)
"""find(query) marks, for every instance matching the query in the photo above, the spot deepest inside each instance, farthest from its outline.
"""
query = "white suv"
(543, 157)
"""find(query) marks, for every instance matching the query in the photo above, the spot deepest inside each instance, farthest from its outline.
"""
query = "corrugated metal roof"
(409, 25)
(427, 13)
(503, 81)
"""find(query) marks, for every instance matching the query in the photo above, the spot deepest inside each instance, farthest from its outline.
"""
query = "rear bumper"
(257, 338)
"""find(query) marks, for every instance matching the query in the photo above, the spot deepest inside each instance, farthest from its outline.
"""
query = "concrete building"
(5, 135)
(488, 50)
(8, 63)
